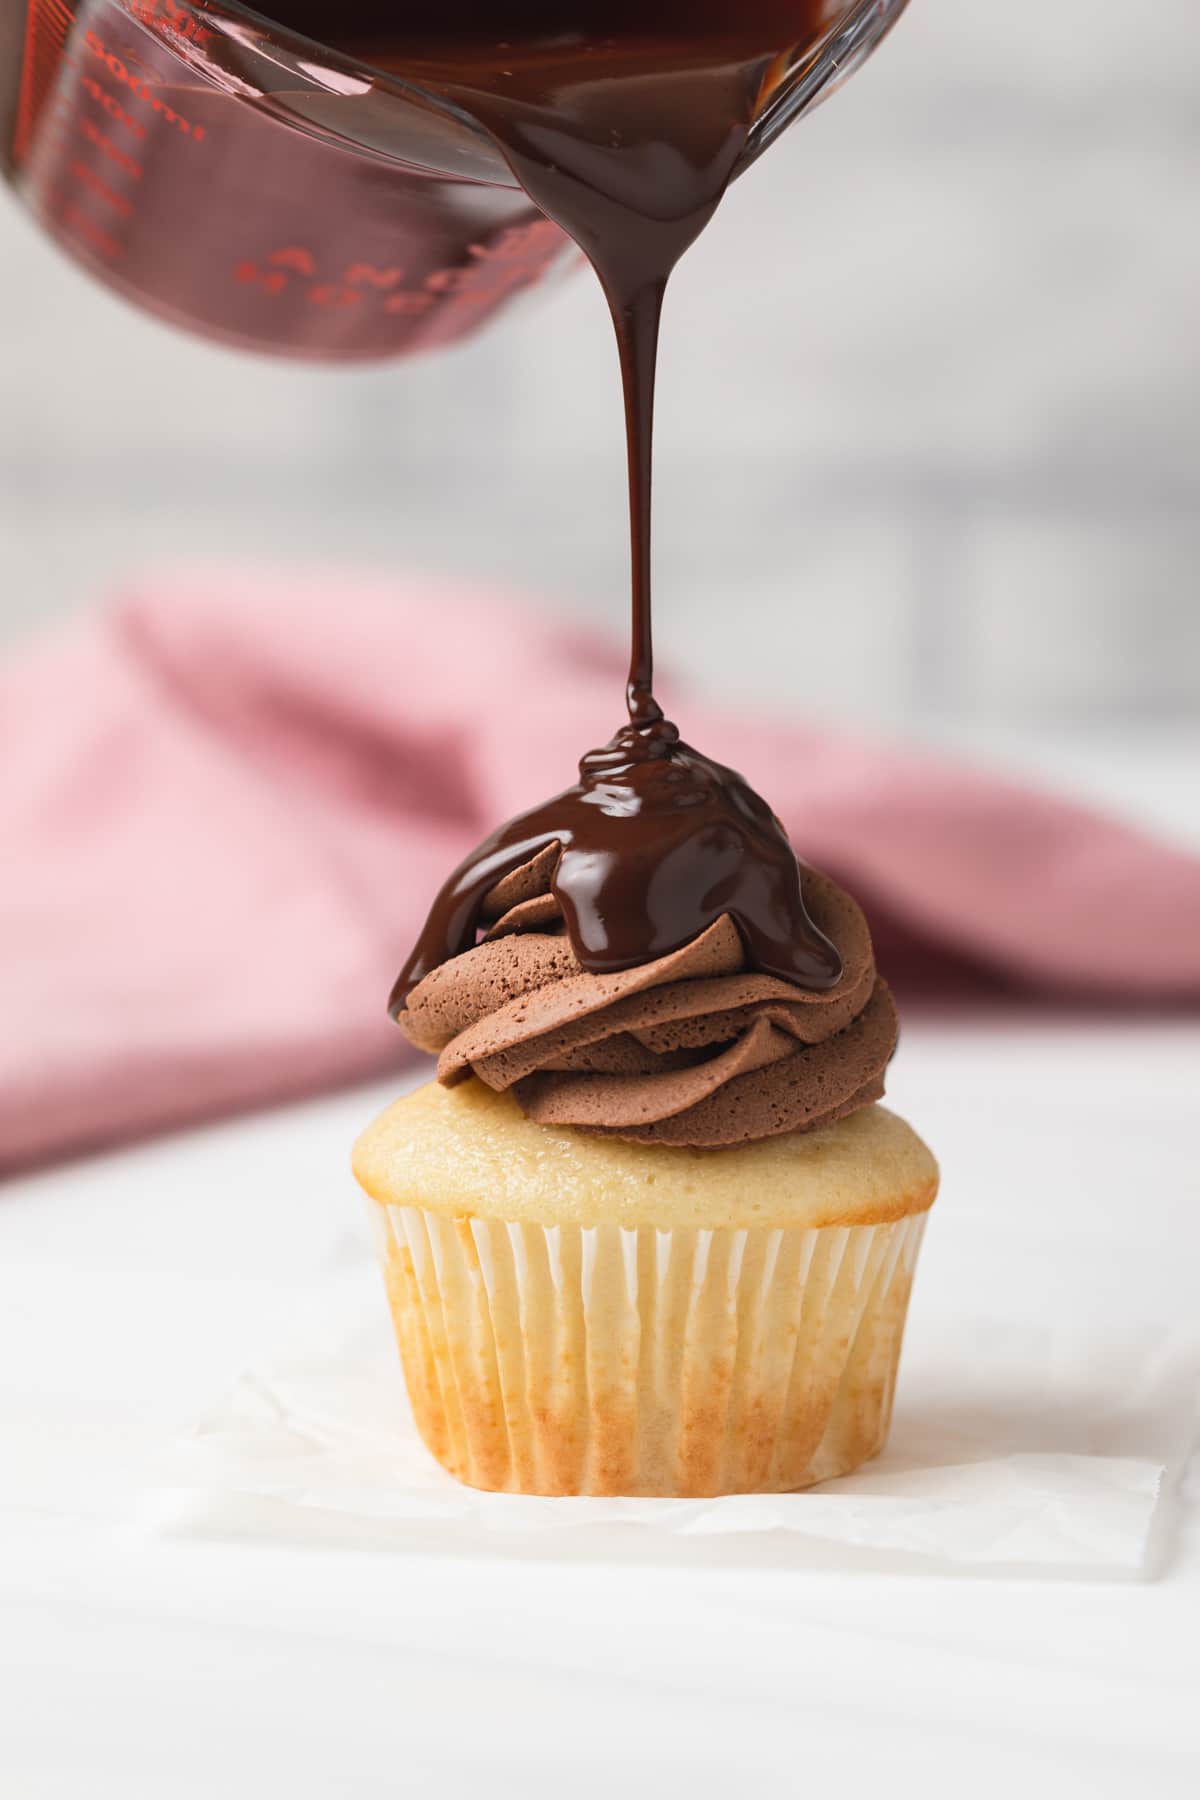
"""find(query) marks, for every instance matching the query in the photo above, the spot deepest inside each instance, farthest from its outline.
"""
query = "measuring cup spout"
(802, 78)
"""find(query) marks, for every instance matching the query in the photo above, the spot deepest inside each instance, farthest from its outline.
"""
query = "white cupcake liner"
(604, 1360)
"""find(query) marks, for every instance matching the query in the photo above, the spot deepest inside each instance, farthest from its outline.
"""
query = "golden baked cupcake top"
(471, 1153)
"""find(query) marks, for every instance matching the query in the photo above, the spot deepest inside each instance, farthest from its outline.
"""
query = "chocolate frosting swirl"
(695, 1047)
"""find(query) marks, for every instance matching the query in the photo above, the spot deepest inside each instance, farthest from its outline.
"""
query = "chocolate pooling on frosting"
(655, 963)
(653, 845)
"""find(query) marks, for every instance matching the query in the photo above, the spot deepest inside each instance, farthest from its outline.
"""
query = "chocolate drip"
(633, 169)
(625, 124)
(655, 844)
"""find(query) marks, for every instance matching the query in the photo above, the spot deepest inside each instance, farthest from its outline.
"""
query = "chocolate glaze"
(655, 844)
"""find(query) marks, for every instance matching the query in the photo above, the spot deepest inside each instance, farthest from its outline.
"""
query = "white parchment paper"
(1016, 1444)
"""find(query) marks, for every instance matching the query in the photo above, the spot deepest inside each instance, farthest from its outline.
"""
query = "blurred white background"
(930, 407)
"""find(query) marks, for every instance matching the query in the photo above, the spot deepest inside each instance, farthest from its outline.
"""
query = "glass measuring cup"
(248, 183)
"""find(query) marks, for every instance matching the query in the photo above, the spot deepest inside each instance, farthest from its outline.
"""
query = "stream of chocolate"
(624, 121)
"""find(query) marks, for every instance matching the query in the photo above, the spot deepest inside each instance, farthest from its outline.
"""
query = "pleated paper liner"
(605, 1360)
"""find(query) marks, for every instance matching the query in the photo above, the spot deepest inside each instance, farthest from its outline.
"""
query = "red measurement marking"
(478, 296)
(48, 24)
(518, 242)
(452, 281)
(112, 107)
(171, 19)
(330, 293)
(272, 281)
(294, 257)
(481, 284)
(122, 73)
(58, 15)
(367, 275)
(127, 164)
(407, 305)
(78, 221)
(82, 173)
(301, 261)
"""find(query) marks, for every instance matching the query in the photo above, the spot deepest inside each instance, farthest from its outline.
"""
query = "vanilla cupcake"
(649, 1233)
(580, 1315)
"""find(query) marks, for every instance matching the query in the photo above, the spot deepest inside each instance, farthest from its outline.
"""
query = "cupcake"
(649, 1232)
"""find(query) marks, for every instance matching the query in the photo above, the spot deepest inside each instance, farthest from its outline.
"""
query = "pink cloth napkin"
(225, 807)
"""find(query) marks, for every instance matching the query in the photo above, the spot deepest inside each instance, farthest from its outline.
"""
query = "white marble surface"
(134, 1287)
